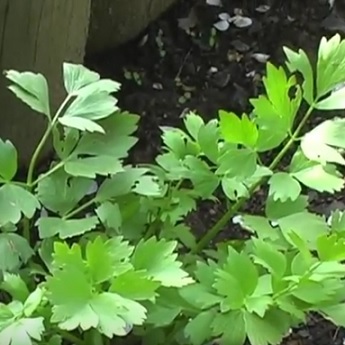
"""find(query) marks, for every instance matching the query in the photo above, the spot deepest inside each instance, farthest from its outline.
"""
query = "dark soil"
(206, 71)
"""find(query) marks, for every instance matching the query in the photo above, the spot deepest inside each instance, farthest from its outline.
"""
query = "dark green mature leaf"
(8, 160)
(16, 201)
(238, 130)
(14, 250)
(148, 186)
(236, 334)
(60, 192)
(65, 228)
(198, 329)
(91, 166)
(31, 88)
(15, 286)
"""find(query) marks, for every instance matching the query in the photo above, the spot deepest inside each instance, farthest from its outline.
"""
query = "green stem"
(80, 208)
(44, 140)
(48, 173)
(71, 338)
(213, 232)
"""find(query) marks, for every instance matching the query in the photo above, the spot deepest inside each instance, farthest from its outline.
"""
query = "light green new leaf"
(16, 201)
(193, 123)
(65, 228)
(99, 86)
(157, 257)
(134, 285)
(8, 160)
(238, 130)
(335, 313)
(77, 76)
(175, 140)
(283, 187)
(233, 188)
(260, 226)
(198, 329)
(14, 250)
(236, 334)
(259, 304)
(31, 88)
(107, 259)
(269, 257)
(25, 331)
(15, 286)
(331, 247)
(80, 123)
(208, 136)
(110, 215)
(60, 192)
(321, 143)
(239, 163)
(306, 225)
(91, 166)
(300, 62)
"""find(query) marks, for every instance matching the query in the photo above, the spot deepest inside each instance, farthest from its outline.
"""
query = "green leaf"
(91, 166)
(25, 331)
(335, 313)
(81, 124)
(300, 62)
(60, 192)
(335, 101)
(233, 188)
(148, 186)
(159, 261)
(14, 250)
(259, 304)
(119, 184)
(174, 140)
(200, 296)
(197, 330)
(238, 130)
(270, 330)
(236, 334)
(8, 160)
(269, 257)
(319, 179)
(31, 88)
(239, 163)
(15, 286)
(306, 225)
(16, 201)
(110, 215)
(134, 285)
(33, 301)
(208, 136)
(65, 228)
(321, 143)
(331, 247)
(193, 123)
(330, 64)
(277, 209)
(77, 76)
(284, 187)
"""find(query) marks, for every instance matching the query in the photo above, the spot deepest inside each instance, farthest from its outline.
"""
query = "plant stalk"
(213, 232)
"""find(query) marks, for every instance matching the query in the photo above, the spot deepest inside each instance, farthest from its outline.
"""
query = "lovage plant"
(94, 250)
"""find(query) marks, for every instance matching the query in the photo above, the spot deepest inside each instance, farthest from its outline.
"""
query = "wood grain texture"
(38, 36)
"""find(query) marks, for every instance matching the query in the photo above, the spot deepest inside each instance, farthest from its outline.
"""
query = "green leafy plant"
(96, 249)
